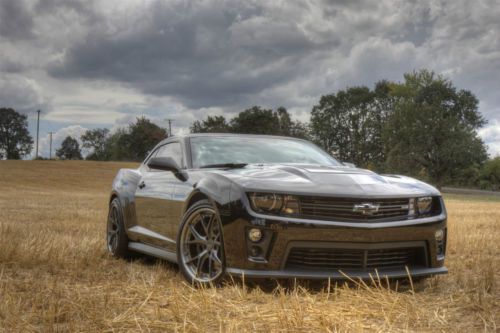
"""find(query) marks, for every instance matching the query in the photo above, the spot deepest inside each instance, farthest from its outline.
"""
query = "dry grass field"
(55, 274)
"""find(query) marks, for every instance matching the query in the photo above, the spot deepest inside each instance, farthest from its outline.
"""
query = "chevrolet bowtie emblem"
(366, 208)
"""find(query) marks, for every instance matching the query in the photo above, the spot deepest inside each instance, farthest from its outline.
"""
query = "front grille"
(354, 259)
(349, 209)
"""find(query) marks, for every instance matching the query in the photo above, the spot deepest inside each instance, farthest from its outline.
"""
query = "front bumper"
(340, 275)
(282, 235)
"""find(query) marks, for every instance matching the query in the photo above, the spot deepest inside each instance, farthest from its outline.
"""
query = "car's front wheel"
(116, 237)
(200, 247)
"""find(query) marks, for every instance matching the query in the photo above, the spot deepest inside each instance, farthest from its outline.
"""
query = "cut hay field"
(55, 274)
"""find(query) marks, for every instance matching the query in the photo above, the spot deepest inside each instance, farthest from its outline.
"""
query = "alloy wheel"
(201, 246)
(113, 229)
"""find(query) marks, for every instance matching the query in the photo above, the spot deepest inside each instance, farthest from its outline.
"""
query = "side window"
(172, 150)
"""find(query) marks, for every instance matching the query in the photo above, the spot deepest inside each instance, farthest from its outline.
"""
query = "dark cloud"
(202, 56)
(9, 65)
(419, 29)
(16, 20)
(21, 93)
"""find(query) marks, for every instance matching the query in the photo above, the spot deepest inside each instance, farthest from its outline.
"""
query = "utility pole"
(37, 132)
(50, 150)
(170, 126)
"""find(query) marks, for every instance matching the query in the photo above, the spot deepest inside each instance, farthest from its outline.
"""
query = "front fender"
(124, 187)
(215, 188)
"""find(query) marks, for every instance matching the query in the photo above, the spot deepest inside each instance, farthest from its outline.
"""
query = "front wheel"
(200, 247)
(117, 240)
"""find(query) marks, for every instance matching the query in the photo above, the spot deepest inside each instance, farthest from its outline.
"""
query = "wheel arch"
(197, 195)
(113, 196)
(215, 189)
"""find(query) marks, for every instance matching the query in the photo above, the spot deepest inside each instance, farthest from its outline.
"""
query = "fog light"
(255, 235)
(255, 251)
(439, 235)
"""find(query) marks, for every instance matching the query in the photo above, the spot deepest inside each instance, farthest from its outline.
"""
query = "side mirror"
(167, 164)
(164, 164)
(349, 164)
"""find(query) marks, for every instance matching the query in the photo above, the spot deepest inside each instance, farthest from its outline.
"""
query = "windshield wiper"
(225, 165)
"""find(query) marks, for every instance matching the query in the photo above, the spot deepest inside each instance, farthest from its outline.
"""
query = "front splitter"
(338, 275)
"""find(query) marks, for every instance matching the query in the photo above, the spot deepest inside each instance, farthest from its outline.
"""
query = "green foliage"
(134, 142)
(15, 141)
(423, 127)
(126, 144)
(490, 175)
(431, 130)
(117, 146)
(349, 124)
(289, 127)
(255, 120)
(97, 141)
(70, 149)
(142, 137)
(215, 124)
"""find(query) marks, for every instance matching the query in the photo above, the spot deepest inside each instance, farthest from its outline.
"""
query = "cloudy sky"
(98, 63)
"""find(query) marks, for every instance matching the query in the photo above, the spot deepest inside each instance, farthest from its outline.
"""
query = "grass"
(56, 276)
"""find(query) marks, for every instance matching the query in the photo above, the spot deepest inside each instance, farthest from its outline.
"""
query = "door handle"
(142, 185)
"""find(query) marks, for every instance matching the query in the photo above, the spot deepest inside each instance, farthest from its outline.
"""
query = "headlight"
(274, 203)
(424, 205)
(267, 202)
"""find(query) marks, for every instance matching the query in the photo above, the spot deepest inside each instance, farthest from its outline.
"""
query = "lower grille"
(354, 259)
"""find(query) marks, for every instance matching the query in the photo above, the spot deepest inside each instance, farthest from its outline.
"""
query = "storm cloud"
(187, 59)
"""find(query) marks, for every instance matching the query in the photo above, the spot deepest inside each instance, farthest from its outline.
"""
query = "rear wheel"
(200, 247)
(116, 239)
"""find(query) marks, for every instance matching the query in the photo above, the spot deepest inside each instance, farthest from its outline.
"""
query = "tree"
(432, 131)
(143, 136)
(134, 142)
(70, 149)
(349, 124)
(97, 141)
(299, 130)
(126, 144)
(15, 141)
(117, 146)
(289, 127)
(256, 120)
(215, 124)
(490, 174)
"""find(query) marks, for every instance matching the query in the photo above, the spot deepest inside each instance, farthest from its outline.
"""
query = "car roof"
(196, 135)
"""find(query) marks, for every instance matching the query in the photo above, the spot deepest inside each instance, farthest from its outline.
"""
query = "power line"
(37, 132)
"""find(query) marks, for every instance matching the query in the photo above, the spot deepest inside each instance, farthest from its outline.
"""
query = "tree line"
(423, 127)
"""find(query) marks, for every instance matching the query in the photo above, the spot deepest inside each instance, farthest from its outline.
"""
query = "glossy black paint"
(154, 202)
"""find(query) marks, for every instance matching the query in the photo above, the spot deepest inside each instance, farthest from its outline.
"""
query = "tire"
(116, 236)
(200, 247)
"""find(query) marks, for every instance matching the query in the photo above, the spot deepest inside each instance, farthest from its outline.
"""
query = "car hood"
(325, 181)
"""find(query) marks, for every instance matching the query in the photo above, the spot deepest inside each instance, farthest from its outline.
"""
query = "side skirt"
(153, 251)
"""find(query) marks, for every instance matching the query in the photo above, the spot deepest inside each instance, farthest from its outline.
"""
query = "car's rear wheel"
(200, 247)
(116, 237)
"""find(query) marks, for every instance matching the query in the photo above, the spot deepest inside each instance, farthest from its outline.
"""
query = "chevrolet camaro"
(273, 207)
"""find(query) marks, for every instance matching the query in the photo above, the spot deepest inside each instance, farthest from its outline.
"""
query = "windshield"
(220, 150)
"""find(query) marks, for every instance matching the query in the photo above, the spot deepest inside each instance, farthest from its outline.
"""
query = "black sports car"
(275, 207)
